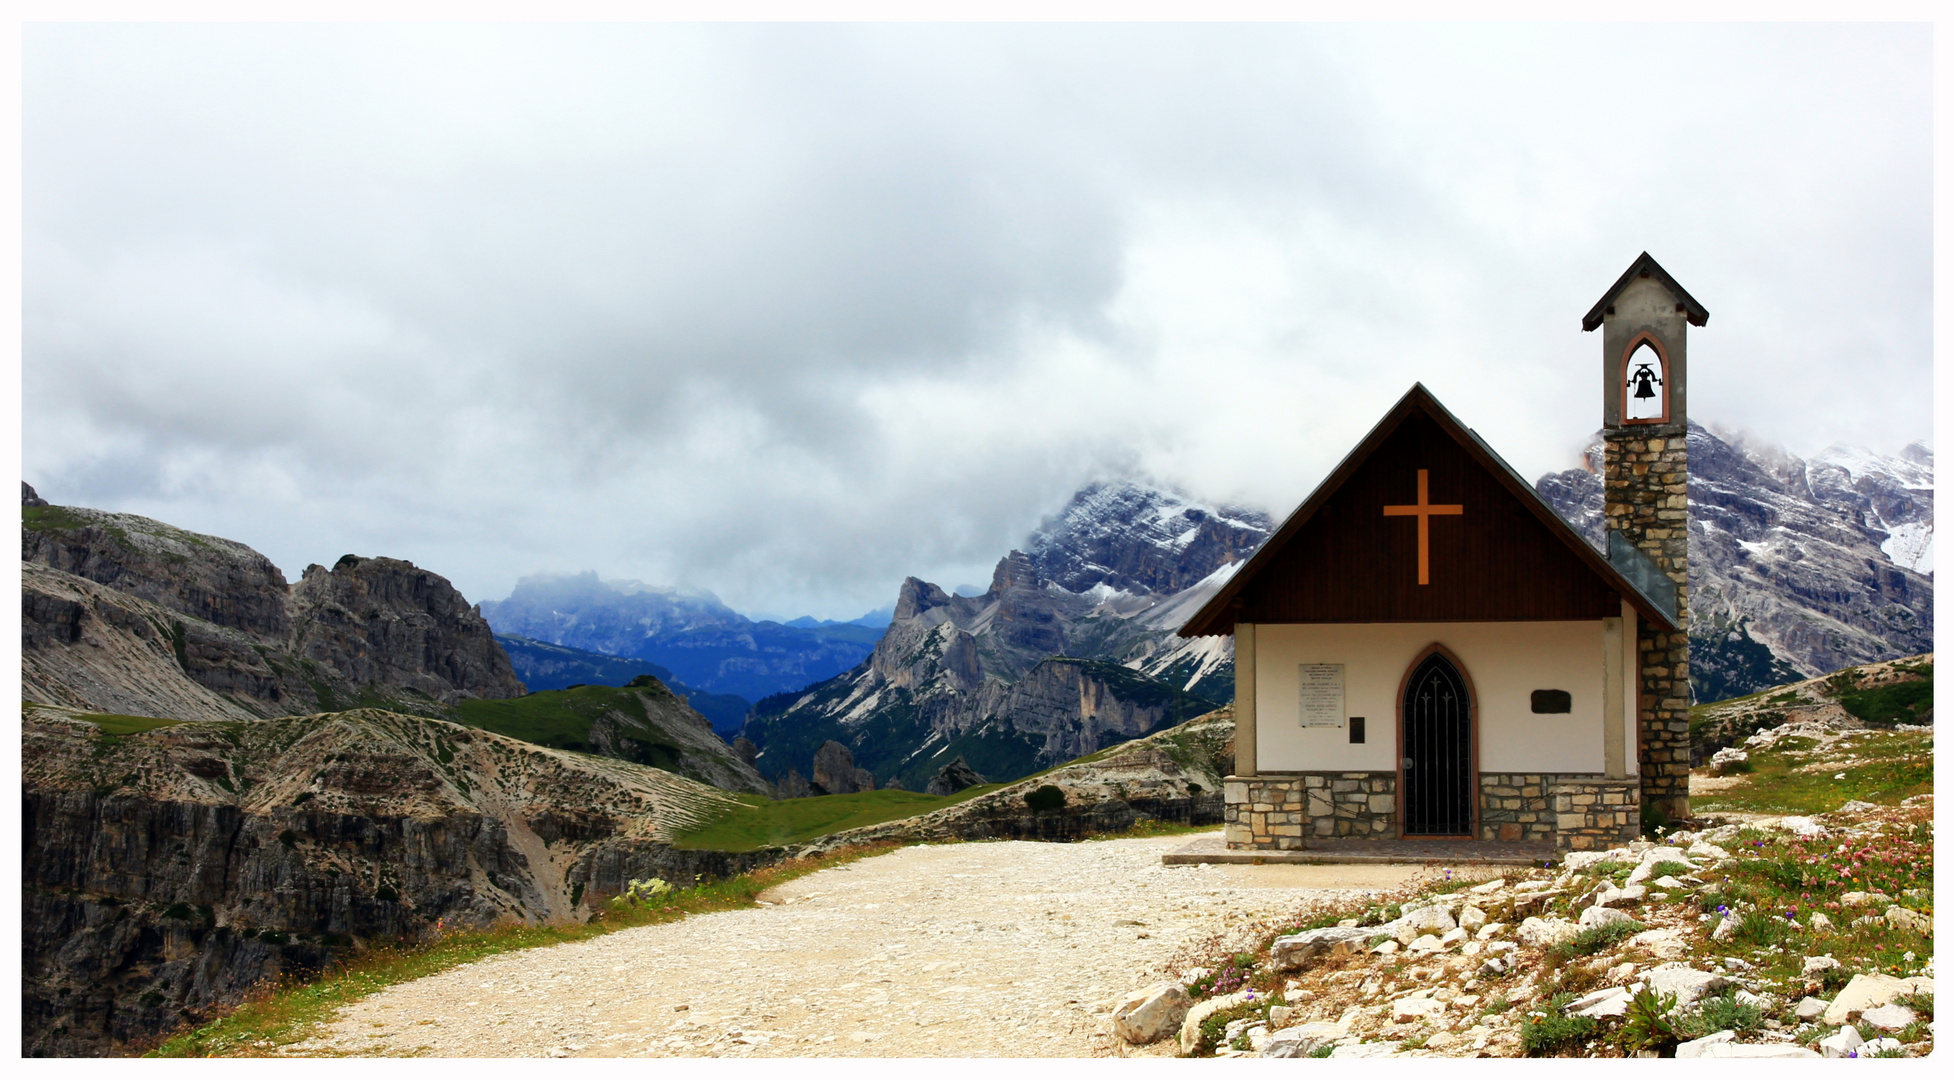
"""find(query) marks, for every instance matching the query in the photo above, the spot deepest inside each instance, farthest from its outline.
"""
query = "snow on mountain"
(1797, 567)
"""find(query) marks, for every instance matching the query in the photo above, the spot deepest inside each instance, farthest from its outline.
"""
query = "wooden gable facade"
(1495, 551)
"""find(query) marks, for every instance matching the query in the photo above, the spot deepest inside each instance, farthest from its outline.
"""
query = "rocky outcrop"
(1173, 775)
(380, 621)
(124, 614)
(835, 772)
(167, 871)
(954, 777)
(29, 497)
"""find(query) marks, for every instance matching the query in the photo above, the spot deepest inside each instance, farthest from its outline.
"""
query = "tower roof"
(1645, 266)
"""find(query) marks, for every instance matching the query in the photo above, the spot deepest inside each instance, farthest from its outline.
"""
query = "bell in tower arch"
(1645, 396)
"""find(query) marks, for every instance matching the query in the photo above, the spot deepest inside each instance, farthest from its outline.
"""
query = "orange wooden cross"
(1423, 511)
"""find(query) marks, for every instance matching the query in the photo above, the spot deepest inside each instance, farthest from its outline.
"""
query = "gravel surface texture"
(1009, 949)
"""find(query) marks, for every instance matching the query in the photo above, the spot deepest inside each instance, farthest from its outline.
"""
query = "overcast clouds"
(793, 312)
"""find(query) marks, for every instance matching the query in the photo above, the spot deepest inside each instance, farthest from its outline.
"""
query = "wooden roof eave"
(1215, 617)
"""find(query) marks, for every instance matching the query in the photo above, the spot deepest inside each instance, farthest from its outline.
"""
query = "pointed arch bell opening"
(1645, 381)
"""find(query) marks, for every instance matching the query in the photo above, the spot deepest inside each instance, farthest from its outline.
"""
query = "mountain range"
(1797, 566)
(689, 632)
(1070, 649)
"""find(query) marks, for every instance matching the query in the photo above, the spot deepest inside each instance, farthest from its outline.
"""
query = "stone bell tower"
(1644, 321)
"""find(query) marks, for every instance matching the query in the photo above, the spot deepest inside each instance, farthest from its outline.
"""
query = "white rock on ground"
(1811, 1009)
(1597, 916)
(1295, 950)
(1191, 1025)
(1149, 1015)
(1869, 991)
(1889, 1017)
(1695, 1047)
(1687, 983)
(1840, 1043)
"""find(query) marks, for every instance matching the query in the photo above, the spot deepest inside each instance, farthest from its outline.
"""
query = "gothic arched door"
(1435, 777)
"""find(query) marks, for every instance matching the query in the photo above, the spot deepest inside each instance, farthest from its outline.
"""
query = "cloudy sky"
(792, 312)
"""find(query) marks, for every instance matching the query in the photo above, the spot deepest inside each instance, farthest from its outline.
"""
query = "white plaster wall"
(1505, 663)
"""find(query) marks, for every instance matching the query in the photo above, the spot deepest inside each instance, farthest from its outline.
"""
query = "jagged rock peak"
(28, 497)
(1139, 537)
(916, 597)
(1015, 571)
(954, 777)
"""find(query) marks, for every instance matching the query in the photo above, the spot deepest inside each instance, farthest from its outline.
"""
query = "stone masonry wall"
(1593, 813)
(1280, 812)
(1648, 502)
(1516, 807)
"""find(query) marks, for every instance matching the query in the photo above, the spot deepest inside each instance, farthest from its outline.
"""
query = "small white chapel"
(1425, 650)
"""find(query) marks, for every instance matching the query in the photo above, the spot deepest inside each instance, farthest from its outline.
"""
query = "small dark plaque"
(1356, 729)
(1553, 701)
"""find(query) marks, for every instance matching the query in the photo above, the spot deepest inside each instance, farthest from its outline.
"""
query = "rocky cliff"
(166, 871)
(124, 614)
(1797, 567)
(386, 622)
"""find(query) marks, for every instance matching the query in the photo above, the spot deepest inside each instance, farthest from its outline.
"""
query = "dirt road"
(1009, 949)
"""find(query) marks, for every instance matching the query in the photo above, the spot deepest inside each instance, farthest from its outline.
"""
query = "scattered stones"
(1817, 965)
(1810, 1009)
(1149, 1015)
(1489, 931)
(1424, 944)
(1485, 887)
(1820, 923)
(1627, 896)
(1728, 758)
(1454, 936)
(1471, 920)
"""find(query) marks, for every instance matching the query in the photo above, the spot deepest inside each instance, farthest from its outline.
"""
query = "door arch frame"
(1472, 734)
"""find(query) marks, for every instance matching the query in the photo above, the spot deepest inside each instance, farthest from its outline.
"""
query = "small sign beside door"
(1322, 695)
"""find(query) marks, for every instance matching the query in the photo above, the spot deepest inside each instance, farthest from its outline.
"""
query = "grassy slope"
(1796, 776)
(763, 822)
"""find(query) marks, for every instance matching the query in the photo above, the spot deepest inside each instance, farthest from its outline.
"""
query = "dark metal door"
(1437, 763)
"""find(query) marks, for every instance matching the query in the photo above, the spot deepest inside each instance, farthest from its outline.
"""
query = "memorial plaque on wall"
(1322, 697)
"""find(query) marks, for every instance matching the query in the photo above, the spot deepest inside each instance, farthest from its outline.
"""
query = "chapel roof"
(1645, 266)
(1625, 571)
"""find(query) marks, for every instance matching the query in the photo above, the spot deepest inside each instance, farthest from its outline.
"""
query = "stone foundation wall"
(1516, 807)
(1592, 813)
(1280, 812)
(1283, 813)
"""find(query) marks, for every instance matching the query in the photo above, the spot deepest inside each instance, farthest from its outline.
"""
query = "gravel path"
(1009, 949)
